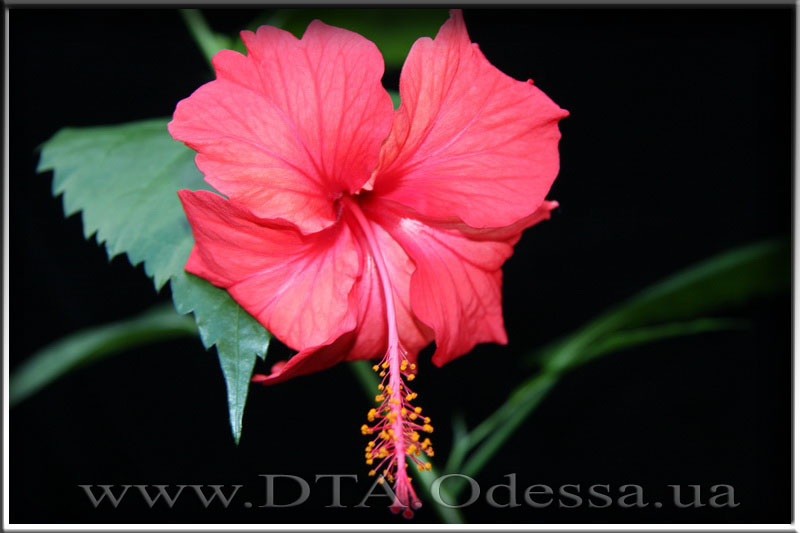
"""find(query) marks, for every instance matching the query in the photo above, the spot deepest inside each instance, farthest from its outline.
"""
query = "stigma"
(400, 430)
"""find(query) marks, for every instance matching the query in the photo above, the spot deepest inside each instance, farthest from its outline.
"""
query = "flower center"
(396, 421)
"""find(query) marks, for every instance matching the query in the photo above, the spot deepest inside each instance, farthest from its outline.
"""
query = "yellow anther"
(388, 389)
(413, 416)
(421, 468)
(427, 420)
(428, 466)
(365, 430)
(403, 365)
(429, 453)
(418, 410)
(409, 397)
(411, 377)
(403, 412)
(383, 373)
(379, 398)
(385, 364)
(375, 368)
(415, 436)
(428, 428)
(380, 387)
(371, 472)
(380, 481)
(369, 461)
(412, 448)
(413, 366)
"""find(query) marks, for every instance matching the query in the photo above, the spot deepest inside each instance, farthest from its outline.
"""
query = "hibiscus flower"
(354, 231)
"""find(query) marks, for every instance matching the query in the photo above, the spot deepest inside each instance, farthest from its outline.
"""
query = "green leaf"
(90, 345)
(722, 282)
(631, 338)
(239, 338)
(124, 180)
(392, 30)
(664, 310)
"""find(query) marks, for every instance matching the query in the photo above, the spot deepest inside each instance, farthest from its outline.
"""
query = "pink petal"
(291, 126)
(308, 361)
(456, 287)
(468, 141)
(297, 286)
(368, 298)
(369, 338)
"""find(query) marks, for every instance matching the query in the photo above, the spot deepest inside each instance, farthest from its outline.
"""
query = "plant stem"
(92, 344)
(203, 35)
(500, 426)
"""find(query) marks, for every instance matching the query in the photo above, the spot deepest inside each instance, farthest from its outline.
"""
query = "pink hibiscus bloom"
(354, 231)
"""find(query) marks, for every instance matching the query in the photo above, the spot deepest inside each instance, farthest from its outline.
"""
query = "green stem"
(92, 344)
(366, 377)
(461, 444)
(449, 515)
(497, 429)
(369, 382)
(205, 38)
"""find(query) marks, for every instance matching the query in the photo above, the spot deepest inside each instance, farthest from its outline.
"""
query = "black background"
(678, 147)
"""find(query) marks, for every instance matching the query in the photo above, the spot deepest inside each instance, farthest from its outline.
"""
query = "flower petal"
(368, 298)
(292, 125)
(456, 287)
(296, 285)
(468, 141)
(369, 338)
(309, 360)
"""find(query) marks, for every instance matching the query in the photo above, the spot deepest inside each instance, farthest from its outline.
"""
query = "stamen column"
(398, 431)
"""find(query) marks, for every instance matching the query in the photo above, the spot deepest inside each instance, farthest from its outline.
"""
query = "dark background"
(678, 147)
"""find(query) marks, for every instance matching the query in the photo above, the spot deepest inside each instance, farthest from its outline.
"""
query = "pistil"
(396, 421)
